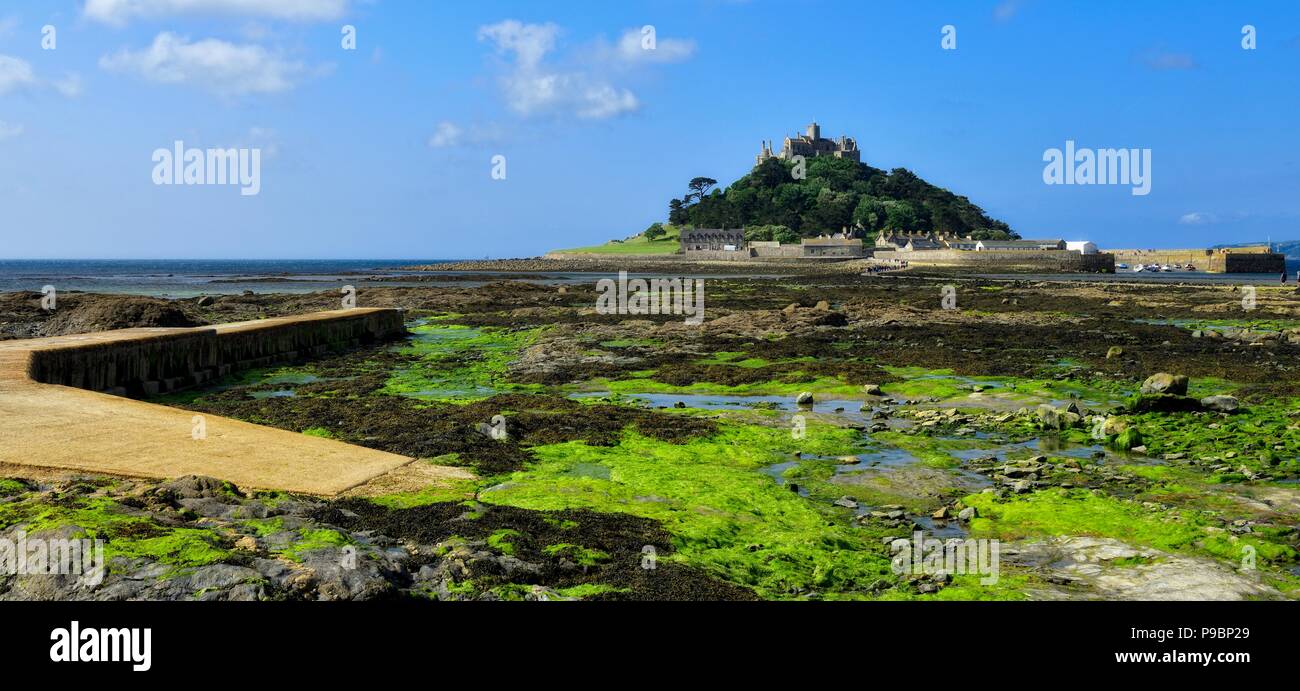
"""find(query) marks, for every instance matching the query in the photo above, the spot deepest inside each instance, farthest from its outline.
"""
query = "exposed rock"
(1055, 418)
(1164, 403)
(1114, 352)
(804, 399)
(1113, 425)
(1165, 383)
(1220, 404)
(194, 487)
(1107, 569)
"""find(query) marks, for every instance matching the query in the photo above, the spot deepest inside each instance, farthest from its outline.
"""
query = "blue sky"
(386, 150)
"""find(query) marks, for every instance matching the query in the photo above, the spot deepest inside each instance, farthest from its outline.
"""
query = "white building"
(1081, 246)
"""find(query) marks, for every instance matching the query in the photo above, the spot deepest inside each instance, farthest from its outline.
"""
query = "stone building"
(712, 240)
(897, 241)
(1001, 245)
(837, 246)
(811, 144)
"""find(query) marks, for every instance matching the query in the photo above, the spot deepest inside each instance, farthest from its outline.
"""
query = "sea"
(183, 278)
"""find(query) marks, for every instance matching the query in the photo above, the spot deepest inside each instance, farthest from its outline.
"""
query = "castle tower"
(814, 131)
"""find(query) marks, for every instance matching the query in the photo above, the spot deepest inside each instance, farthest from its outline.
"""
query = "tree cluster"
(833, 194)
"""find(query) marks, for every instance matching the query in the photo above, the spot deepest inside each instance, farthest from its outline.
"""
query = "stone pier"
(61, 405)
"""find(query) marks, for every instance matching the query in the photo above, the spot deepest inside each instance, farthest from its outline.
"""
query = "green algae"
(794, 384)
(125, 534)
(435, 494)
(1081, 512)
(582, 556)
(181, 548)
(944, 384)
(586, 590)
(1262, 436)
(726, 517)
(315, 538)
(1055, 512)
(459, 363)
(503, 540)
(263, 527)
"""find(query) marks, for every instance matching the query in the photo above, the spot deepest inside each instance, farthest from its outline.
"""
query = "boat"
(1121, 265)
(1166, 268)
(1139, 268)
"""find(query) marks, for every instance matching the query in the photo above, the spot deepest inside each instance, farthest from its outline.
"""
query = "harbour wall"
(153, 361)
(1011, 260)
(1228, 260)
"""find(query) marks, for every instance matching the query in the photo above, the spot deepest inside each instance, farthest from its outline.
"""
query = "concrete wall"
(162, 360)
(1006, 260)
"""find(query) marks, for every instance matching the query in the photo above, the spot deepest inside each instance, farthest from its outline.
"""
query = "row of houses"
(701, 241)
(918, 243)
(713, 241)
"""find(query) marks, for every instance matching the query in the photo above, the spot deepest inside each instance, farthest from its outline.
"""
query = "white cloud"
(632, 48)
(449, 135)
(8, 130)
(532, 87)
(15, 74)
(601, 101)
(69, 86)
(120, 12)
(1198, 218)
(1006, 10)
(529, 42)
(446, 135)
(226, 69)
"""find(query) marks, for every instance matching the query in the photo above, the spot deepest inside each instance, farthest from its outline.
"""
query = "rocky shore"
(1114, 438)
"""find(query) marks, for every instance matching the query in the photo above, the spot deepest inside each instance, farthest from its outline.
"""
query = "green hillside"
(666, 244)
(834, 193)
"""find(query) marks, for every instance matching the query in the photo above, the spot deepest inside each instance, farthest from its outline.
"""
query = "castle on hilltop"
(811, 144)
